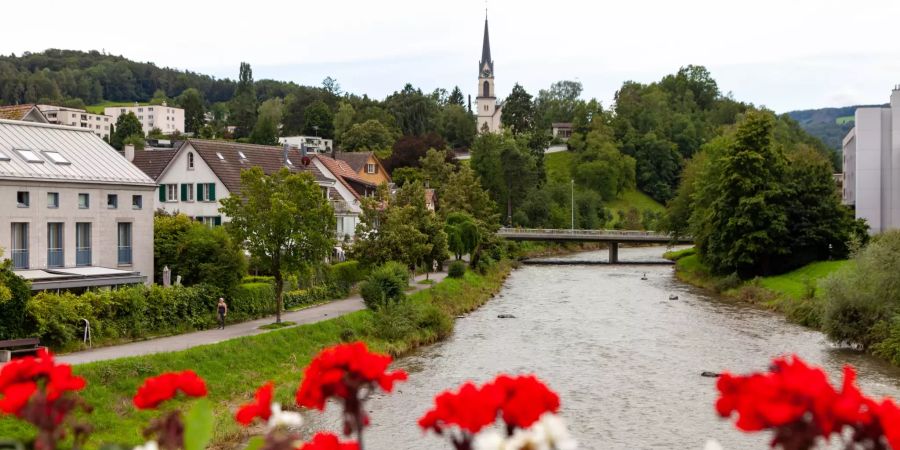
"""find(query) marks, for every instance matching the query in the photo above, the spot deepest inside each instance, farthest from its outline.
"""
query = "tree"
(319, 121)
(370, 135)
(518, 111)
(416, 113)
(557, 104)
(463, 193)
(462, 234)
(343, 120)
(459, 126)
(244, 103)
(159, 97)
(283, 220)
(191, 100)
(266, 130)
(168, 232)
(506, 170)
(331, 86)
(209, 255)
(456, 97)
(436, 169)
(127, 125)
(409, 150)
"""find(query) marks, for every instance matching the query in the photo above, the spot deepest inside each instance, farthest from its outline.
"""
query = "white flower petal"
(712, 444)
(287, 419)
(489, 439)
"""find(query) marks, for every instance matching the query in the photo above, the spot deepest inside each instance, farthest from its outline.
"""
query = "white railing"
(577, 232)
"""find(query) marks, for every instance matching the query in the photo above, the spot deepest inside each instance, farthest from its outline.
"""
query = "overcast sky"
(784, 54)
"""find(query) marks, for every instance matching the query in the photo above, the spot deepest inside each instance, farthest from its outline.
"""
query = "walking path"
(314, 314)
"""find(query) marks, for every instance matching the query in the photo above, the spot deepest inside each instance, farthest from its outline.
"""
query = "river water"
(625, 359)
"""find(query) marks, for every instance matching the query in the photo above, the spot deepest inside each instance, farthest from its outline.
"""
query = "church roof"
(486, 49)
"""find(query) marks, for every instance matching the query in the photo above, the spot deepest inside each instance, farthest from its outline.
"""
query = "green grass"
(426, 282)
(234, 368)
(558, 166)
(277, 325)
(98, 108)
(845, 119)
(794, 284)
(636, 199)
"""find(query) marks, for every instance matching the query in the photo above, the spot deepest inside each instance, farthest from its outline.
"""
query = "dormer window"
(190, 161)
(370, 168)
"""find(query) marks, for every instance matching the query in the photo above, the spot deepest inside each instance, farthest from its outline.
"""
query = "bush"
(14, 295)
(56, 317)
(257, 279)
(386, 284)
(302, 297)
(727, 283)
(457, 269)
(252, 300)
(403, 319)
(344, 275)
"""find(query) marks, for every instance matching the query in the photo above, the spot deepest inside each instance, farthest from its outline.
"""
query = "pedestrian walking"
(222, 309)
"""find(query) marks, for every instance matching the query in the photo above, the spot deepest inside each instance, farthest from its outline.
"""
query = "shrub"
(14, 295)
(257, 279)
(251, 300)
(386, 284)
(301, 297)
(401, 320)
(457, 269)
(344, 275)
(727, 283)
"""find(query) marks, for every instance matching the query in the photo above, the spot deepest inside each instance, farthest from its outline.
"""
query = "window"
(150, 109)
(140, 109)
(241, 155)
(187, 192)
(19, 247)
(190, 160)
(370, 168)
(112, 201)
(137, 201)
(30, 156)
(172, 192)
(124, 243)
(221, 158)
(55, 157)
(84, 201)
(4, 156)
(53, 199)
(486, 88)
(55, 257)
(83, 244)
(23, 199)
(206, 192)
(210, 221)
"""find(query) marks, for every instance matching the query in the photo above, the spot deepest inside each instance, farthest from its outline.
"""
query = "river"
(625, 359)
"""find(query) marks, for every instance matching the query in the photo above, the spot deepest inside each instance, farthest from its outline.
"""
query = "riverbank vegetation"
(229, 367)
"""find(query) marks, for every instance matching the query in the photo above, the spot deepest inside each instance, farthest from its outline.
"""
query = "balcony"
(55, 257)
(340, 206)
(124, 255)
(20, 259)
(83, 256)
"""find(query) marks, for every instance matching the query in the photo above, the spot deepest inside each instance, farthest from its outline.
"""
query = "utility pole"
(573, 204)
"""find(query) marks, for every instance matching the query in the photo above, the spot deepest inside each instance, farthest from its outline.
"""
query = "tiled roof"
(152, 162)
(356, 160)
(228, 167)
(342, 172)
(59, 153)
(16, 112)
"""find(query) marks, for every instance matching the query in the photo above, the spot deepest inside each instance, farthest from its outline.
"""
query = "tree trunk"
(279, 290)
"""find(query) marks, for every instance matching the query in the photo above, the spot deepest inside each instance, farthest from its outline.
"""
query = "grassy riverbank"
(233, 369)
(796, 294)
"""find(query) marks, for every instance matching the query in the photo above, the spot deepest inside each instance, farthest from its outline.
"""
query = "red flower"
(261, 407)
(526, 399)
(20, 379)
(328, 441)
(164, 387)
(889, 416)
(341, 371)
(471, 408)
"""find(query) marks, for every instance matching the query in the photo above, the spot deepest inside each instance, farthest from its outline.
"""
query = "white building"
(194, 177)
(73, 212)
(169, 119)
(60, 115)
(872, 165)
(489, 109)
(312, 143)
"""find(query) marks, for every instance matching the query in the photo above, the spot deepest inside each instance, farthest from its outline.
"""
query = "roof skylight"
(221, 158)
(4, 156)
(288, 161)
(241, 154)
(56, 157)
(29, 155)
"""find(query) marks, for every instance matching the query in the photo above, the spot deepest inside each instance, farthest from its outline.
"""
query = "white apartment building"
(167, 118)
(100, 124)
(73, 212)
(312, 143)
(871, 165)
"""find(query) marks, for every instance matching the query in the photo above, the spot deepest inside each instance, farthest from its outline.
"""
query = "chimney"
(129, 152)
(302, 149)
(284, 155)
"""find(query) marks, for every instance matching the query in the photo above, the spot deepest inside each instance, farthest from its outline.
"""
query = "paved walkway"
(185, 341)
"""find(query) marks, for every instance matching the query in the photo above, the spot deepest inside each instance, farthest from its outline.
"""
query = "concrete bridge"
(612, 237)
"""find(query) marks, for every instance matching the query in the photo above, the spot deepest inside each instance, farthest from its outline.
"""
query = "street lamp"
(573, 204)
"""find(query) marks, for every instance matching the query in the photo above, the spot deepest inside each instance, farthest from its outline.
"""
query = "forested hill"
(828, 124)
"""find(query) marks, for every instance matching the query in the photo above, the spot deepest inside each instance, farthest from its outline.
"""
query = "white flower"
(711, 444)
(150, 445)
(553, 433)
(287, 419)
(526, 439)
(489, 439)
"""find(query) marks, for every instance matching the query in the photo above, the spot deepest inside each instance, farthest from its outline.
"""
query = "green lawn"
(844, 119)
(637, 199)
(98, 108)
(793, 284)
(557, 166)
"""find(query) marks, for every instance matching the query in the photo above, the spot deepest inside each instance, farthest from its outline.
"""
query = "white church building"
(489, 109)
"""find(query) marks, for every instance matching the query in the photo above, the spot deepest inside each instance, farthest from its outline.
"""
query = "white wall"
(159, 113)
(873, 162)
(104, 222)
(178, 173)
(848, 196)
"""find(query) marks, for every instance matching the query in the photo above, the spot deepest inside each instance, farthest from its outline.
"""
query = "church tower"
(486, 101)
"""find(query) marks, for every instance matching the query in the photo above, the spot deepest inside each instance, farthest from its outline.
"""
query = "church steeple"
(486, 61)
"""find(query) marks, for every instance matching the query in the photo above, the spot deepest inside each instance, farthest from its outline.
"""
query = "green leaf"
(198, 425)
(255, 443)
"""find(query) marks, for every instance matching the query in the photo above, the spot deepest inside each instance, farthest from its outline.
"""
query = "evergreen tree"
(244, 103)
(191, 100)
(518, 111)
(456, 97)
(319, 121)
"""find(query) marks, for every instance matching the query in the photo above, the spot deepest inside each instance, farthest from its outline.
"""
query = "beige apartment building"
(73, 212)
(100, 124)
(167, 118)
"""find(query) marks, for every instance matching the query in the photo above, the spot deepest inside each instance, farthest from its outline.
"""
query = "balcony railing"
(124, 255)
(55, 257)
(83, 256)
(20, 259)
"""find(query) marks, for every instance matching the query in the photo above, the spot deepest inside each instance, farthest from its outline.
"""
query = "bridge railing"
(577, 232)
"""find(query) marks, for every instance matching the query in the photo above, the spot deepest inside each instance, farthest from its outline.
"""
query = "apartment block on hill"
(168, 119)
(100, 124)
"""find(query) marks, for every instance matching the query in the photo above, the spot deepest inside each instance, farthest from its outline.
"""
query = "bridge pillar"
(613, 252)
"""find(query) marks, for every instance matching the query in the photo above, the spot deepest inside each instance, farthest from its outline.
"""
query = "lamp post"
(573, 204)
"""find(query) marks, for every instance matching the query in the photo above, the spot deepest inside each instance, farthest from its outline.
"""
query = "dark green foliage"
(305, 297)
(244, 103)
(416, 113)
(198, 253)
(14, 295)
(127, 126)
(458, 126)
(194, 109)
(250, 300)
(345, 274)
(386, 284)
(408, 151)
(518, 111)
(457, 269)
(394, 320)
(506, 169)
(318, 120)
(370, 135)
(463, 235)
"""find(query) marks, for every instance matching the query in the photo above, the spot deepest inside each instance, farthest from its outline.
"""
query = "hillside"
(828, 124)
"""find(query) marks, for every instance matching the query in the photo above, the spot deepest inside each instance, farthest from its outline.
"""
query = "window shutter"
(184, 192)
(200, 196)
(162, 193)
(218, 220)
(212, 192)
